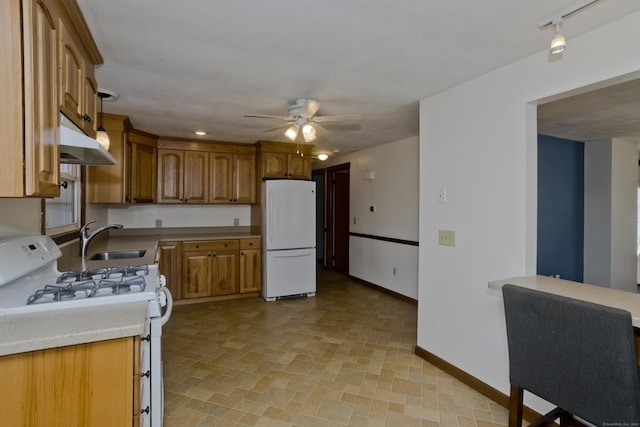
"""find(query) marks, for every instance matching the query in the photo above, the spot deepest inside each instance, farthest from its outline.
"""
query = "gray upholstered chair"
(579, 356)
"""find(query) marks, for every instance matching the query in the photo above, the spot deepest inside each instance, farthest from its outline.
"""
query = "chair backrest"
(579, 356)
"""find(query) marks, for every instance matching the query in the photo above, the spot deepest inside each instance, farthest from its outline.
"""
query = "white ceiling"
(180, 66)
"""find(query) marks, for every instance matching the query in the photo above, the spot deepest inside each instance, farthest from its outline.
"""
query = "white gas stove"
(30, 282)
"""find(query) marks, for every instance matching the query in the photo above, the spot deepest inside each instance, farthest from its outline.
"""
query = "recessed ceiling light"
(336, 150)
(323, 156)
(200, 133)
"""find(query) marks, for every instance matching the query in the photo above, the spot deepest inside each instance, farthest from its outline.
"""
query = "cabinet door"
(196, 177)
(224, 272)
(81, 385)
(274, 165)
(89, 108)
(196, 274)
(170, 265)
(107, 183)
(298, 167)
(71, 78)
(220, 178)
(244, 178)
(42, 167)
(143, 173)
(170, 176)
(250, 270)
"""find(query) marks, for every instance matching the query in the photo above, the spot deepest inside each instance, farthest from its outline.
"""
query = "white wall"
(20, 217)
(610, 217)
(144, 216)
(394, 193)
(478, 141)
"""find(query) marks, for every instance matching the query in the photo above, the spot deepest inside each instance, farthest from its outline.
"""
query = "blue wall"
(560, 208)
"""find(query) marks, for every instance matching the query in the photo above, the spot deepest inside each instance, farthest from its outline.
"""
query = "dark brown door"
(341, 221)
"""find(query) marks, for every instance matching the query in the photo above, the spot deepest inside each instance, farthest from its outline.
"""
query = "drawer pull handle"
(146, 374)
(145, 411)
(147, 338)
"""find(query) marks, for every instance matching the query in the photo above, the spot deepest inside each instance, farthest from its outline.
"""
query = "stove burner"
(52, 293)
(121, 285)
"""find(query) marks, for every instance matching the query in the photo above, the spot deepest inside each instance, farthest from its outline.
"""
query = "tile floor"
(342, 358)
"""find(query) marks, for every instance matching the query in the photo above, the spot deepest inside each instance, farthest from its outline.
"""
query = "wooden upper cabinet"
(143, 173)
(298, 167)
(244, 178)
(42, 163)
(71, 78)
(279, 160)
(182, 176)
(90, 108)
(274, 165)
(196, 177)
(220, 178)
(232, 178)
(170, 171)
(133, 178)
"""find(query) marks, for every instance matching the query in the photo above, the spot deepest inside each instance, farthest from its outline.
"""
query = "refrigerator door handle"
(296, 255)
(270, 225)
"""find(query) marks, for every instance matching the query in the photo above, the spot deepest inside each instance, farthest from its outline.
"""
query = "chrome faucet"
(85, 238)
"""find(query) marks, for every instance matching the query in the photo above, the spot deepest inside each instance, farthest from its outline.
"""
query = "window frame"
(66, 233)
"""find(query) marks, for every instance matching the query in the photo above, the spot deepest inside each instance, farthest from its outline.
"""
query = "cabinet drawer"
(250, 243)
(210, 245)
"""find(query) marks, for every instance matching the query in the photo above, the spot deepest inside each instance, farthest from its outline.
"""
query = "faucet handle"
(83, 230)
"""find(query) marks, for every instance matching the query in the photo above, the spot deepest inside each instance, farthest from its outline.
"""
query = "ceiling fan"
(302, 117)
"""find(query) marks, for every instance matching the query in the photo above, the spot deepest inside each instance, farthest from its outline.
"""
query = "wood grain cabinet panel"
(170, 173)
(170, 265)
(143, 173)
(82, 385)
(42, 164)
(232, 178)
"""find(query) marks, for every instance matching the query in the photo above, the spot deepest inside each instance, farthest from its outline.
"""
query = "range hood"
(79, 149)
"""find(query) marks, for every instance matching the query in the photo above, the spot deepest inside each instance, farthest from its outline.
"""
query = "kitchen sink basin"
(104, 256)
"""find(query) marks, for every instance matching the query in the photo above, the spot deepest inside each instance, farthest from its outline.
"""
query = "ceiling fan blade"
(283, 125)
(263, 116)
(309, 108)
(337, 118)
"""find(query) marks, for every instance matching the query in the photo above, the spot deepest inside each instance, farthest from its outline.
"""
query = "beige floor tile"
(342, 358)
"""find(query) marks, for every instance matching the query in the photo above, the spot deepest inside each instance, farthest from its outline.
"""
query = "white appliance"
(288, 238)
(30, 282)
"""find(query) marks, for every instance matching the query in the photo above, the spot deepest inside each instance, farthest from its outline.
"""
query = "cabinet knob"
(197, 246)
(225, 245)
(86, 118)
(250, 243)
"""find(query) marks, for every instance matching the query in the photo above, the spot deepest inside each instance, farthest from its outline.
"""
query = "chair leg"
(515, 406)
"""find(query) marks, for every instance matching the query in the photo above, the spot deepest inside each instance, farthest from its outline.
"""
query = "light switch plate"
(446, 237)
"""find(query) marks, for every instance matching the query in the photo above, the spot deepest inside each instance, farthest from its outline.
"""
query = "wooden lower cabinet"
(81, 385)
(250, 265)
(211, 269)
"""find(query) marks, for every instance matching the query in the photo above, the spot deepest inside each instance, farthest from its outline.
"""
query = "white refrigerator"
(288, 238)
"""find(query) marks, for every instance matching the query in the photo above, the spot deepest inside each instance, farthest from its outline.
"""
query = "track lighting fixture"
(558, 44)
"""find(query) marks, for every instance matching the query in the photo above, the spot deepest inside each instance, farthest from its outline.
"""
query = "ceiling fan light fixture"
(309, 133)
(292, 132)
(558, 43)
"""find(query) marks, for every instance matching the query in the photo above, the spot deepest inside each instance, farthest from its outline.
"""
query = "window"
(62, 214)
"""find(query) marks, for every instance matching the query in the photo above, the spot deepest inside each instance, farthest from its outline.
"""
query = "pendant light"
(101, 136)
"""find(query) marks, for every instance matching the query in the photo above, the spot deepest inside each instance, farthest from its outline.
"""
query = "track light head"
(558, 43)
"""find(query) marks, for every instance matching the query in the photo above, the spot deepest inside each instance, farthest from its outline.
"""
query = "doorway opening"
(332, 241)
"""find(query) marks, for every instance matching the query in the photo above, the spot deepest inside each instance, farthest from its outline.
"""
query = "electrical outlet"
(236, 222)
(158, 223)
(394, 271)
(447, 237)
(354, 220)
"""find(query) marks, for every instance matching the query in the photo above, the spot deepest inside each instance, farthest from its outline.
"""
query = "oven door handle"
(167, 312)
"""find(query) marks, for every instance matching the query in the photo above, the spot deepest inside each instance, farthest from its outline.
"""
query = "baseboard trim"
(384, 290)
(473, 382)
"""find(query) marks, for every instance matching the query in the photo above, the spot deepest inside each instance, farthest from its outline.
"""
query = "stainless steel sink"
(104, 256)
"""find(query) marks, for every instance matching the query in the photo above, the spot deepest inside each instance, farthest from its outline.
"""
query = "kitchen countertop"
(147, 239)
(597, 294)
(49, 329)
(21, 333)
